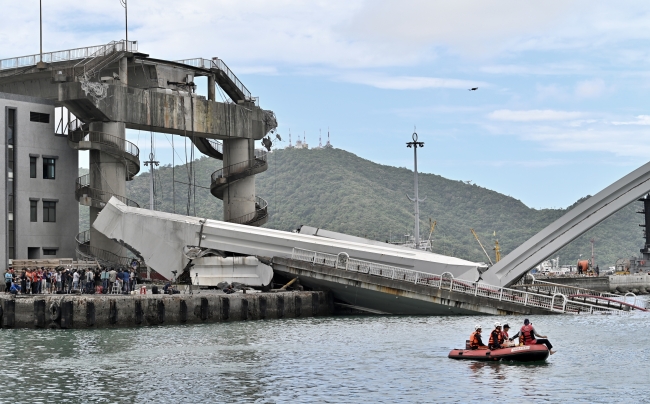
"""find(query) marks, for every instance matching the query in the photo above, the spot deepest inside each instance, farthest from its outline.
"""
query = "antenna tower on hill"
(320, 142)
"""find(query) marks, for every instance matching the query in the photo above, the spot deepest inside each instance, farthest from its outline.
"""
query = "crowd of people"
(499, 337)
(64, 280)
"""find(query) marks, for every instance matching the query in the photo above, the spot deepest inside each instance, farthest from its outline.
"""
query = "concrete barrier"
(100, 311)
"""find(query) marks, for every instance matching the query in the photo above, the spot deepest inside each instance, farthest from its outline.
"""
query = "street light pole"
(40, 4)
(415, 144)
(126, 23)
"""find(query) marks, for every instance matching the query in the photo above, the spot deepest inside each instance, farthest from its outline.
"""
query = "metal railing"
(85, 250)
(218, 146)
(557, 302)
(261, 210)
(115, 142)
(82, 187)
(219, 64)
(586, 294)
(66, 55)
(238, 168)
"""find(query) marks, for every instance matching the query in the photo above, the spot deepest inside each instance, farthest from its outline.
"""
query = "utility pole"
(41, 64)
(415, 144)
(126, 23)
(40, 4)
(593, 263)
(151, 163)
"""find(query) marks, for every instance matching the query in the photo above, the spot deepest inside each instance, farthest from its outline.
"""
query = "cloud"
(533, 115)
(543, 69)
(410, 82)
(259, 70)
(640, 120)
(590, 88)
(350, 34)
(630, 141)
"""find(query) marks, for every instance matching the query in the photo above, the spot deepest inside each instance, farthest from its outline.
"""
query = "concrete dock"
(98, 311)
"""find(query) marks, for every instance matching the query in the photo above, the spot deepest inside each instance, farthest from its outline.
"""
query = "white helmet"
(497, 324)
(478, 327)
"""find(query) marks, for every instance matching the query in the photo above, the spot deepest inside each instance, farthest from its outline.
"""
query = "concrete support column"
(124, 75)
(108, 174)
(212, 88)
(239, 198)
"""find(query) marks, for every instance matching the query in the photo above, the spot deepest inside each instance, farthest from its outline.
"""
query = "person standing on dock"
(59, 288)
(8, 280)
(125, 279)
(75, 280)
(112, 276)
(104, 278)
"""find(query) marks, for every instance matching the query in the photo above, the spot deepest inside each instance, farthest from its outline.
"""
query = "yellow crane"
(432, 227)
(497, 249)
(483, 248)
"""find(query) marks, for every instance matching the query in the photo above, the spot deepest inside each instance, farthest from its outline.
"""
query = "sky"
(561, 109)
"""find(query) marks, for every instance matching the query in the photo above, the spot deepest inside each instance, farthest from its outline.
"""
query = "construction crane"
(483, 248)
(497, 249)
(432, 227)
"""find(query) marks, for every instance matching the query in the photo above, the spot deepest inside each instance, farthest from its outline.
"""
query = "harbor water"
(328, 359)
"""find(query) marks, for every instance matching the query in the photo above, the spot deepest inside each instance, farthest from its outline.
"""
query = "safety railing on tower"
(241, 167)
(99, 197)
(84, 249)
(67, 55)
(220, 65)
(556, 303)
(112, 141)
(261, 211)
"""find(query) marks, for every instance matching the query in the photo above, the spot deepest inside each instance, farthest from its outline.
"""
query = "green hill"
(339, 191)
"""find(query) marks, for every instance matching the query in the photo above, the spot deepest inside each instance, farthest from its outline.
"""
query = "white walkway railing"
(556, 303)
(64, 55)
(567, 290)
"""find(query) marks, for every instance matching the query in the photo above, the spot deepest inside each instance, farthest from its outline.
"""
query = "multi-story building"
(39, 216)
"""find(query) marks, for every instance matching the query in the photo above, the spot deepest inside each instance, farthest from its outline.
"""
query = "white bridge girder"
(570, 226)
(159, 238)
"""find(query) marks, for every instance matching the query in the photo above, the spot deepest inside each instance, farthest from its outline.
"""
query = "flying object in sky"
(473, 89)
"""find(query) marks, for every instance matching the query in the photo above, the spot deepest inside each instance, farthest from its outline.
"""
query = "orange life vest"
(499, 338)
(526, 333)
(473, 340)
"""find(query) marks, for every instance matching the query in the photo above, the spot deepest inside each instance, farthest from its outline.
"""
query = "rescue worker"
(495, 337)
(475, 341)
(504, 333)
(529, 336)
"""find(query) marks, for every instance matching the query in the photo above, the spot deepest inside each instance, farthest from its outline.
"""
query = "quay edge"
(101, 311)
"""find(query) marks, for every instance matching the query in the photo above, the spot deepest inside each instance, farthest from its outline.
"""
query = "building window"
(33, 213)
(49, 251)
(49, 211)
(10, 196)
(11, 240)
(10, 161)
(39, 117)
(48, 168)
(11, 125)
(32, 167)
(33, 253)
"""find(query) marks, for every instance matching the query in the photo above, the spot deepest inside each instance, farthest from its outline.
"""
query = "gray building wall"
(38, 139)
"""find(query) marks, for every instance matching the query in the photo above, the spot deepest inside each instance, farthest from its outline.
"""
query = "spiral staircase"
(80, 138)
(226, 176)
